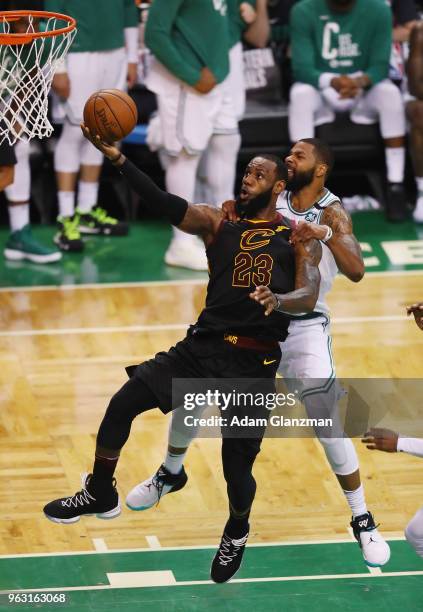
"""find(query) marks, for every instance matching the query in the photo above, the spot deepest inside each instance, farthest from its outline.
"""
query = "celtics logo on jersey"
(311, 217)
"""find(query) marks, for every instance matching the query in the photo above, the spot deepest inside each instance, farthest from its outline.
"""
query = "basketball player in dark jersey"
(257, 279)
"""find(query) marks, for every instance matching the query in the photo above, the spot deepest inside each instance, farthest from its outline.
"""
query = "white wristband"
(329, 234)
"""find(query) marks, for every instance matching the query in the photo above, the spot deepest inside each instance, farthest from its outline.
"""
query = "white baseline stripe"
(100, 545)
(153, 542)
(170, 283)
(196, 547)
(170, 327)
(233, 581)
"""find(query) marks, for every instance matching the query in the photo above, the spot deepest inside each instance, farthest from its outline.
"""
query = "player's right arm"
(201, 220)
(390, 441)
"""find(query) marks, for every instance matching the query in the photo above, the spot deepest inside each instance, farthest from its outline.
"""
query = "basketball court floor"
(66, 332)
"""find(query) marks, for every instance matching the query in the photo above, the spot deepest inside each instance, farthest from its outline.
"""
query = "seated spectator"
(340, 61)
(414, 109)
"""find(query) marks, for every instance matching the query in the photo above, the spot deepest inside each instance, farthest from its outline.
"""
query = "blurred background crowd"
(216, 82)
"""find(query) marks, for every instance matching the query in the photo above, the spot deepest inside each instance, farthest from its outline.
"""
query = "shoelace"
(81, 498)
(159, 484)
(70, 228)
(224, 556)
(101, 215)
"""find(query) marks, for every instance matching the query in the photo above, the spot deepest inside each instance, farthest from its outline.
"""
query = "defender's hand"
(417, 311)
(206, 82)
(109, 150)
(229, 211)
(381, 439)
(266, 298)
(304, 231)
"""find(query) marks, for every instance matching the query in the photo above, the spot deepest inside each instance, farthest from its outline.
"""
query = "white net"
(26, 73)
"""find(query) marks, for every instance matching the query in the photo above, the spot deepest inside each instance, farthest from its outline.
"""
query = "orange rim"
(22, 39)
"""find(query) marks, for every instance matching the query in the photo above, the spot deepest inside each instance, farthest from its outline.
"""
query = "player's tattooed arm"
(202, 220)
(343, 244)
(307, 283)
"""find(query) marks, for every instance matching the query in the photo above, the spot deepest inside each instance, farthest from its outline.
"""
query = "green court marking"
(139, 256)
(359, 591)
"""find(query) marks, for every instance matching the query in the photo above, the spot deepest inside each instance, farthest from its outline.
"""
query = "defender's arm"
(343, 244)
(307, 283)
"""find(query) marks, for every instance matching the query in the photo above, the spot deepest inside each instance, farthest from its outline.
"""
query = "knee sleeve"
(132, 399)
(414, 532)
(20, 190)
(220, 167)
(181, 435)
(341, 454)
(67, 156)
(238, 457)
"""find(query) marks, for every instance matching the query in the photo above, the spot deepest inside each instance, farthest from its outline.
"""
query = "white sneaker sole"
(21, 255)
(111, 514)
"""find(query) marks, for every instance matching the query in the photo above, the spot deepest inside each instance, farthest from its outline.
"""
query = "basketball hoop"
(28, 61)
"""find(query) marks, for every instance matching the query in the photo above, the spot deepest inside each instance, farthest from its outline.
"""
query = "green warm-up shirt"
(100, 23)
(187, 35)
(325, 41)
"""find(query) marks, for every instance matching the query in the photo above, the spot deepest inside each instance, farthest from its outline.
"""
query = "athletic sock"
(103, 470)
(356, 501)
(237, 528)
(66, 203)
(18, 216)
(395, 161)
(87, 196)
(419, 183)
(174, 462)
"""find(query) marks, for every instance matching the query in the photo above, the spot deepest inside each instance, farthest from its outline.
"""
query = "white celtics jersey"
(327, 267)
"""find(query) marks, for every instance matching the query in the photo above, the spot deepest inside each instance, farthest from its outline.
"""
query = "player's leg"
(414, 110)
(414, 532)
(99, 495)
(384, 101)
(307, 360)
(306, 110)
(238, 456)
(111, 69)
(170, 476)
(21, 244)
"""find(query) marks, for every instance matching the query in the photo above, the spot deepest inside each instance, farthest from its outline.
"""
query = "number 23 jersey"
(243, 256)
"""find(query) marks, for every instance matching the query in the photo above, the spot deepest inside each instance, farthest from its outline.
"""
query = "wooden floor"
(62, 354)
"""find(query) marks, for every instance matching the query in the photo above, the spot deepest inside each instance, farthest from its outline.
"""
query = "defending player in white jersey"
(306, 353)
(392, 442)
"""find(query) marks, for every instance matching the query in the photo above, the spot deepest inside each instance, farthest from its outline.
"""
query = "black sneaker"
(97, 221)
(68, 237)
(70, 509)
(148, 493)
(375, 550)
(396, 203)
(228, 558)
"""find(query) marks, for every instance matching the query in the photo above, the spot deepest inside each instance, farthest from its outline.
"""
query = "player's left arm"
(201, 220)
(343, 244)
(307, 283)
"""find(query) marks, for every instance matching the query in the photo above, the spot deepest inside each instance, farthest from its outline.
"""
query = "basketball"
(111, 114)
